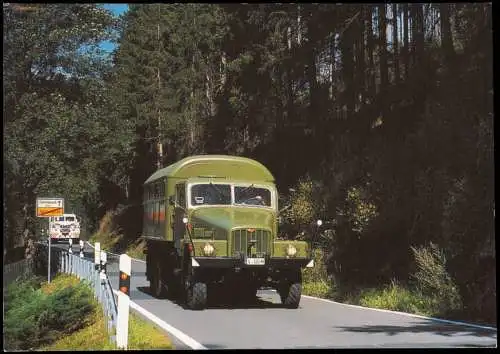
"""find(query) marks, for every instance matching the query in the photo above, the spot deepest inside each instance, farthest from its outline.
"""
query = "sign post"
(46, 208)
(48, 271)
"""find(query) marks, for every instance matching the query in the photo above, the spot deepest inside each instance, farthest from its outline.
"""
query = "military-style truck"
(212, 220)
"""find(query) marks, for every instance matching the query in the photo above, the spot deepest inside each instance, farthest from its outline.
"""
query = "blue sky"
(117, 10)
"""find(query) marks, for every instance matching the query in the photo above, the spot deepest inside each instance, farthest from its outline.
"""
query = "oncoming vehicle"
(62, 228)
(212, 220)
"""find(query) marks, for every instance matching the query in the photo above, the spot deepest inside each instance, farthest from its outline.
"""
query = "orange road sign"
(47, 207)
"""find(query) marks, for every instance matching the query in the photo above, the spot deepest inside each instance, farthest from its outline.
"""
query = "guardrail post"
(97, 255)
(81, 248)
(123, 302)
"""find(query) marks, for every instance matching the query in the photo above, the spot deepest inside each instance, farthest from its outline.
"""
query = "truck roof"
(216, 166)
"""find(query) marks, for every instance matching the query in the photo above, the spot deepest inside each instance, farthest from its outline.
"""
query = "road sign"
(47, 207)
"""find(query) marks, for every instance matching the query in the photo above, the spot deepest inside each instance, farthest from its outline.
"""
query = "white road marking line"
(401, 313)
(114, 254)
(184, 338)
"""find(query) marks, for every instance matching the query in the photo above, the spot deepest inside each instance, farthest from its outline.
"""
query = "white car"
(62, 228)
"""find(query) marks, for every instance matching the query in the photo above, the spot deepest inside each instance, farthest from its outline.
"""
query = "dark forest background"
(380, 117)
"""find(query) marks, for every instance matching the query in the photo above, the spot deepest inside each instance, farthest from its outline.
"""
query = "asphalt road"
(265, 324)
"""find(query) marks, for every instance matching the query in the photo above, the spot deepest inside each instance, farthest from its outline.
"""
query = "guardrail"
(84, 269)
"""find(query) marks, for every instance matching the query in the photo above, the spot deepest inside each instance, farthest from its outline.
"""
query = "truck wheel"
(196, 296)
(290, 295)
(156, 284)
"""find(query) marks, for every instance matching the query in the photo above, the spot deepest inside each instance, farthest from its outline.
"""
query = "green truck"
(212, 221)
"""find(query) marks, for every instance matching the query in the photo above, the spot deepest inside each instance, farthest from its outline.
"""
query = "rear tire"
(196, 296)
(156, 283)
(290, 295)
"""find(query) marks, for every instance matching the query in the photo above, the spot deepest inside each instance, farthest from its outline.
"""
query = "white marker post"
(81, 249)
(103, 266)
(97, 254)
(70, 248)
(123, 302)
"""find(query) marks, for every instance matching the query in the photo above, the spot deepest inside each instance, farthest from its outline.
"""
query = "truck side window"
(180, 195)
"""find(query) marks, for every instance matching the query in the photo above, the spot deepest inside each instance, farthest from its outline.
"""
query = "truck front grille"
(241, 238)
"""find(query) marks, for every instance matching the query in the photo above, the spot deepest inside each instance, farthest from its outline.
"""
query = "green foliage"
(360, 210)
(316, 281)
(432, 278)
(34, 318)
(398, 298)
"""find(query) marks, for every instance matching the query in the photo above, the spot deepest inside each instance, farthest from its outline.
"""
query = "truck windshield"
(210, 194)
(250, 195)
(70, 218)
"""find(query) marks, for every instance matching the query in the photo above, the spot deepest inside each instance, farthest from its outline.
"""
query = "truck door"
(179, 211)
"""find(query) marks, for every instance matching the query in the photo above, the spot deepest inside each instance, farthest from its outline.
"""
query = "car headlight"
(208, 250)
(291, 250)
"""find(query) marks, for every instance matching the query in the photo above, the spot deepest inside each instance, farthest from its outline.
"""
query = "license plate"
(255, 261)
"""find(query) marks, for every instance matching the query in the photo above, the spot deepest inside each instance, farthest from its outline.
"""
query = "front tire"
(290, 295)
(196, 296)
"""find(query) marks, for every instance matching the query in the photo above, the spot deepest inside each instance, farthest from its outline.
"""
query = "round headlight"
(291, 250)
(208, 250)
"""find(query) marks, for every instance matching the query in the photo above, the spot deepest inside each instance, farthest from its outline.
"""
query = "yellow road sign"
(47, 207)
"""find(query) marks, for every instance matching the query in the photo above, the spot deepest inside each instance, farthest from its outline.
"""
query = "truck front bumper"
(241, 263)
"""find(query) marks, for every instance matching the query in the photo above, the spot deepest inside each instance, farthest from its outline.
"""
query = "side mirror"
(171, 200)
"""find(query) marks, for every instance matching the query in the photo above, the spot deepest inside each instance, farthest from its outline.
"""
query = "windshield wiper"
(218, 190)
(247, 188)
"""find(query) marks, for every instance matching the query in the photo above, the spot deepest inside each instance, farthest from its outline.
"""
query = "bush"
(35, 316)
(432, 279)
(397, 298)
(315, 280)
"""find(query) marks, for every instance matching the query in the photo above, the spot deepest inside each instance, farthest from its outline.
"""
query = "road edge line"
(403, 313)
(114, 254)
(183, 337)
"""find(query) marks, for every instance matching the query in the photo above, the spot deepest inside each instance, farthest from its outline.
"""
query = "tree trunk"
(346, 48)
(370, 45)
(395, 42)
(446, 37)
(406, 44)
(360, 59)
(383, 48)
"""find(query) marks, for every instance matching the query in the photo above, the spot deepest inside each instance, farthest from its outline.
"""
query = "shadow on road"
(216, 301)
(430, 327)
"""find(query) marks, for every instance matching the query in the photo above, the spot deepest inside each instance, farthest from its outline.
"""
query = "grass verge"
(142, 335)
(64, 315)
